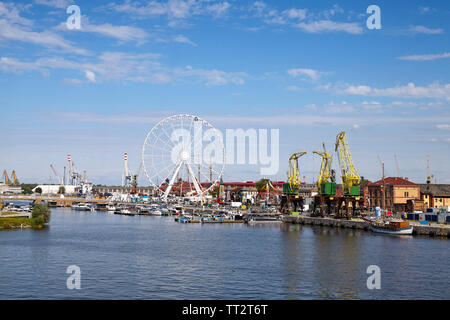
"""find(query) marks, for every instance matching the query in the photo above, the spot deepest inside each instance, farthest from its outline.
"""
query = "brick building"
(435, 195)
(397, 192)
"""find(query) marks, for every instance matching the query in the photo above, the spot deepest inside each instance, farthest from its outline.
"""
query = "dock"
(435, 230)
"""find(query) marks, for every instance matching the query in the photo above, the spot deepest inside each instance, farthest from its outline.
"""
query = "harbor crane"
(326, 183)
(74, 177)
(294, 170)
(325, 173)
(128, 178)
(349, 177)
(291, 199)
(56, 174)
(5, 177)
(10, 181)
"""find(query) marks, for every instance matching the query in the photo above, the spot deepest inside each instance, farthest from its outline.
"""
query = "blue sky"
(309, 68)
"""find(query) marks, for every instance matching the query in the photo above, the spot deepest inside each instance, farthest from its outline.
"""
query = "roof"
(435, 189)
(393, 181)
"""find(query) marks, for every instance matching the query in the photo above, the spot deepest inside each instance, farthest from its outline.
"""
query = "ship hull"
(401, 231)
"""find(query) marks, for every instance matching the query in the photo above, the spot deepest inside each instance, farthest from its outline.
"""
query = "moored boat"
(392, 226)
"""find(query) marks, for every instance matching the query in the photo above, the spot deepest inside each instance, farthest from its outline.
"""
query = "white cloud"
(120, 66)
(425, 30)
(435, 91)
(183, 39)
(14, 32)
(173, 9)
(90, 76)
(443, 126)
(219, 9)
(330, 26)
(425, 57)
(313, 74)
(10, 12)
(122, 33)
(213, 77)
(60, 4)
(294, 13)
(293, 88)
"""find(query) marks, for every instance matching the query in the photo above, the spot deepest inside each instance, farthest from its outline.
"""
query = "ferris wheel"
(183, 151)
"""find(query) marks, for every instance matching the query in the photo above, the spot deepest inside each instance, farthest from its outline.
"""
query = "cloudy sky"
(308, 68)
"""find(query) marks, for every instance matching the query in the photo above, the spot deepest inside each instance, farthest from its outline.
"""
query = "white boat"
(395, 227)
(81, 207)
(156, 213)
(111, 208)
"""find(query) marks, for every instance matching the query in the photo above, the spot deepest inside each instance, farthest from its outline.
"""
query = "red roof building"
(392, 193)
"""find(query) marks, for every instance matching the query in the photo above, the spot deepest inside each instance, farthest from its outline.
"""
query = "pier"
(435, 230)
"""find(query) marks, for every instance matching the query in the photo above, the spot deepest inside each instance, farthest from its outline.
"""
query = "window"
(406, 194)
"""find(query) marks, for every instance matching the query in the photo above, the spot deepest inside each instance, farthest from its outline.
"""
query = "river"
(148, 257)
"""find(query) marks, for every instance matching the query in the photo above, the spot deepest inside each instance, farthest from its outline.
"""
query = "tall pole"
(383, 194)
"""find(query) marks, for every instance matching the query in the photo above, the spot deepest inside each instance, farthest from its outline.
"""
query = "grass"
(16, 222)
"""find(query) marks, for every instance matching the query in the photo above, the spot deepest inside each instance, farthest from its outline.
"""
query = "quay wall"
(432, 230)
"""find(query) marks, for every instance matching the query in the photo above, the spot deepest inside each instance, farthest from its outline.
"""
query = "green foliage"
(38, 190)
(37, 222)
(261, 184)
(41, 210)
(27, 188)
(215, 192)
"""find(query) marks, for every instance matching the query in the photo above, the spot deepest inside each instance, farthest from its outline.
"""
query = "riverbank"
(427, 230)
(11, 222)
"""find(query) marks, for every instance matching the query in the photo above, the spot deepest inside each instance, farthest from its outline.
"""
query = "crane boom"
(14, 179)
(396, 165)
(6, 178)
(325, 166)
(56, 173)
(294, 170)
(349, 175)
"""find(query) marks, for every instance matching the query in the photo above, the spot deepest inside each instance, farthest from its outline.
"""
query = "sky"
(308, 68)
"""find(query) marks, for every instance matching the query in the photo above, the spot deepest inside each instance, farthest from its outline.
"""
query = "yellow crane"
(15, 181)
(349, 175)
(294, 170)
(6, 178)
(325, 166)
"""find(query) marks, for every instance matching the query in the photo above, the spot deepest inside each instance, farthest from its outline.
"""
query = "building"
(118, 189)
(435, 195)
(55, 188)
(397, 192)
(6, 189)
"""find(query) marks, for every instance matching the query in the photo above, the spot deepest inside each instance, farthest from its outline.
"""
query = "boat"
(111, 208)
(155, 213)
(263, 219)
(391, 226)
(81, 207)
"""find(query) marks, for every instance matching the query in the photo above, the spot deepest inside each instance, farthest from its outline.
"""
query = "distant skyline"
(310, 69)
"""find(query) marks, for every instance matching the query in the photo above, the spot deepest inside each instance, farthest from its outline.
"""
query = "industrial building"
(394, 195)
(6, 189)
(435, 195)
(55, 188)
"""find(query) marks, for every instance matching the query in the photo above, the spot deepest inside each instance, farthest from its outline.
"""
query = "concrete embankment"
(433, 230)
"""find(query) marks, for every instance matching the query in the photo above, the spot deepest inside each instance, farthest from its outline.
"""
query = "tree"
(41, 212)
(38, 190)
(215, 192)
(261, 184)
(62, 190)
(27, 188)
